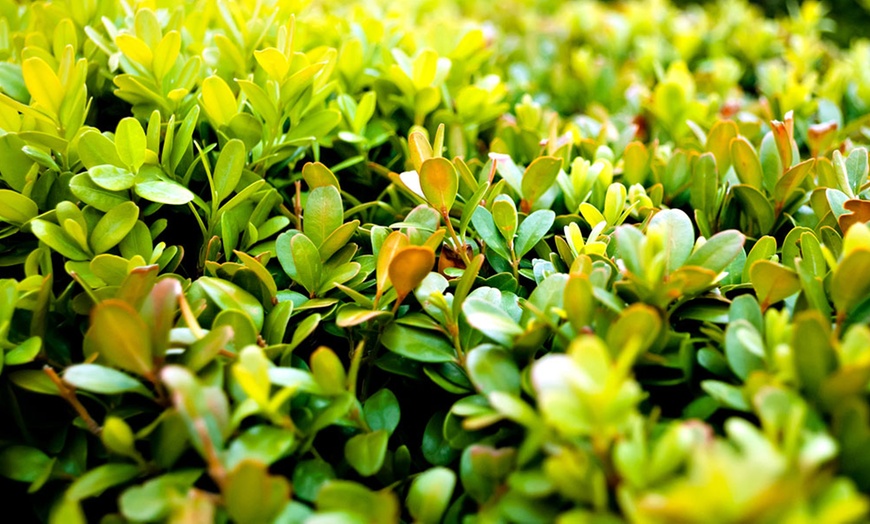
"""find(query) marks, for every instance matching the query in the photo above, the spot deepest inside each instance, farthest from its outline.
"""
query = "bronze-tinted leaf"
(409, 267)
(439, 182)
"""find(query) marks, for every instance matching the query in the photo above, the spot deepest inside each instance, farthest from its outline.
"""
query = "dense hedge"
(286, 261)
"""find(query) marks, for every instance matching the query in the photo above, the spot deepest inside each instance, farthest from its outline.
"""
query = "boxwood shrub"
(330, 262)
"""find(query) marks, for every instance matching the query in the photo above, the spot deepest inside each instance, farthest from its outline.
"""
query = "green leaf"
(111, 177)
(113, 227)
(629, 247)
(420, 150)
(218, 100)
(154, 499)
(33, 380)
(439, 182)
(350, 497)
(120, 336)
(16, 208)
(638, 323)
(260, 271)
(792, 180)
(103, 380)
(851, 281)
(491, 320)
(152, 185)
(350, 315)
(57, 239)
(43, 84)
(485, 227)
(773, 282)
(746, 163)
(304, 329)
(504, 215)
(718, 251)
(323, 214)
(318, 175)
(23, 463)
(306, 260)
(130, 142)
(202, 352)
(430, 494)
(381, 411)
(227, 296)
(755, 205)
(492, 369)
(705, 184)
(532, 230)
(366, 452)
(763, 249)
(23, 353)
(726, 394)
(417, 344)
(228, 170)
(678, 236)
(309, 476)
(814, 357)
(539, 176)
(118, 438)
(857, 168)
(96, 481)
(96, 149)
(264, 444)
(166, 54)
(86, 190)
(337, 239)
(744, 348)
(328, 371)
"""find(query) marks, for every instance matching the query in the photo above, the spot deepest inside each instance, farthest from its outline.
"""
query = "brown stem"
(69, 395)
(215, 466)
(297, 204)
(460, 246)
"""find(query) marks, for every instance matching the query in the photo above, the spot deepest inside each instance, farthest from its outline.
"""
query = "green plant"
(313, 262)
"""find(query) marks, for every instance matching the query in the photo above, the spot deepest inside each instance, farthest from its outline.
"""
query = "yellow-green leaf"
(317, 175)
(439, 182)
(273, 62)
(120, 336)
(130, 143)
(135, 49)
(746, 162)
(391, 245)
(166, 53)
(43, 84)
(114, 226)
(420, 149)
(218, 100)
(773, 282)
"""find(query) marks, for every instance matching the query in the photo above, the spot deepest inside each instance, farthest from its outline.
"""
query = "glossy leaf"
(773, 282)
(366, 452)
(539, 176)
(120, 336)
(130, 143)
(100, 379)
(113, 227)
(430, 494)
(440, 183)
(417, 344)
(746, 163)
(228, 170)
(409, 266)
(323, 214)
(532, 230)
